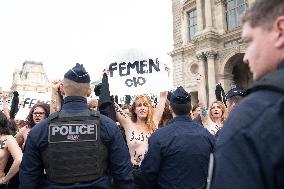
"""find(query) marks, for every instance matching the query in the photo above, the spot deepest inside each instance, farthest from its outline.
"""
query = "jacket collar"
(273, 81)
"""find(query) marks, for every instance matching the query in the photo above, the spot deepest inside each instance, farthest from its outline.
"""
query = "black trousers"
(138, 180)
(4, 186)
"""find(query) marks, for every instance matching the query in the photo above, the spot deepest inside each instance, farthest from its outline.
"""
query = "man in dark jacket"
(249, 152)
(178, 154)
(77, 147)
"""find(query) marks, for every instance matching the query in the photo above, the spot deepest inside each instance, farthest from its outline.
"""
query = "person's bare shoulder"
(11, 142)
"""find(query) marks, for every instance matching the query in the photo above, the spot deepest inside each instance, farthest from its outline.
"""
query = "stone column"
(211, 75)
(208, 14)
(201, 63)
(199, 15)
(220, 16)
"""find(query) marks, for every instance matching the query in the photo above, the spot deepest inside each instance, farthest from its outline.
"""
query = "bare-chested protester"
(8, 145)
(37, 113)
(214, 116)
(140, 126)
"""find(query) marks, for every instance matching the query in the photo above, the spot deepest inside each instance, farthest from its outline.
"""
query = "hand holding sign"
(167, 68)
(106, 71)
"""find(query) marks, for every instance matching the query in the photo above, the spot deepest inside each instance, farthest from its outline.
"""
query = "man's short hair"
(235, 99)
(73, 88)
(180, 101)
(263, 13)
(181, 109)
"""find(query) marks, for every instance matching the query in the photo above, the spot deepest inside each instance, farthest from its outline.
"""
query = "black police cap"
(236, 92)
(78, 74)
(180, 96)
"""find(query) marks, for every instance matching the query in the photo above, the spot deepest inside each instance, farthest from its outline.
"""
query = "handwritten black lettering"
(142, 136)
(132, 66)
(111, 68)
(139, 158)
(2, 143)
(119, 110)
(132, 137)
(122, 66)
(135, 81)
(140, 67)
(154, 65)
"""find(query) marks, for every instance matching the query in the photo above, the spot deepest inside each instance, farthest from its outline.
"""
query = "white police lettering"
(73, 129)
(73, 137)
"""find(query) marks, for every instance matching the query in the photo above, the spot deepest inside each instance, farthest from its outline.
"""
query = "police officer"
(233, 97)
(250, 149)
(77, 147)
(178, 154)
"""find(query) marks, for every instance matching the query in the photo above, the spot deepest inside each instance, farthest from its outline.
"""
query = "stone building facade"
(31, 77)
(207, 40)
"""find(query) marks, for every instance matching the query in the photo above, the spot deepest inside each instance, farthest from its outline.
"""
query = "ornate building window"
(192, 23)
(234, 11)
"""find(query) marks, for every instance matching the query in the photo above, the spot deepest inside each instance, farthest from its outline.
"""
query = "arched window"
(234, 11)
(192, 23)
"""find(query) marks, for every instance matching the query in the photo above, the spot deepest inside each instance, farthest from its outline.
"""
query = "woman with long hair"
(37, 113)
(8, 145)
(213, 117)
(138, 128)
(143, 122)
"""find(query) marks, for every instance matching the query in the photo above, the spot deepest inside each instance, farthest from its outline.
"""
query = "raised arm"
(202, 99)
(6, 109)
(105, 104)
(19, 137)
(201, 91)
(55, 103)
(121, 117)
(17, 155)
(158, 112)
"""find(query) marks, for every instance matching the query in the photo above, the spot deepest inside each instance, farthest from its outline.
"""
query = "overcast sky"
(60, 33)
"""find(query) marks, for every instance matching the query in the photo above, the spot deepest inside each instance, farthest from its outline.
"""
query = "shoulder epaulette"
(94, 113)
(53, 116)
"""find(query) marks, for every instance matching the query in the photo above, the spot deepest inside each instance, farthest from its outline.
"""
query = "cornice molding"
(220, 2)
(232, 34)
(211, 35)
(189, 4)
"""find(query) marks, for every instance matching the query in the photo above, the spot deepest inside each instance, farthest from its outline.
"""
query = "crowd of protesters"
(235, 142)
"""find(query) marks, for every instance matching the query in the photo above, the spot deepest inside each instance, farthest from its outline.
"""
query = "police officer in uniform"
(233, 97)
(249, 152)
(77, 147)
(178, 154)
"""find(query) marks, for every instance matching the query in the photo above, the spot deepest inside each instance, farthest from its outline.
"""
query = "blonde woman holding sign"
(139, 127)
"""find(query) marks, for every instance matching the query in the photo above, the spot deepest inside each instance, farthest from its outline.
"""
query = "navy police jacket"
(178, 156)
(120, 168)
(249, 151)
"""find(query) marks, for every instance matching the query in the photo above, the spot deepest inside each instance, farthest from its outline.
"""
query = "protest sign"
(138, 77)
(30, 99)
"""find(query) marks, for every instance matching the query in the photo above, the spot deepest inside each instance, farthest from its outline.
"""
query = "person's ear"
(89, 92)
(279, 24)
